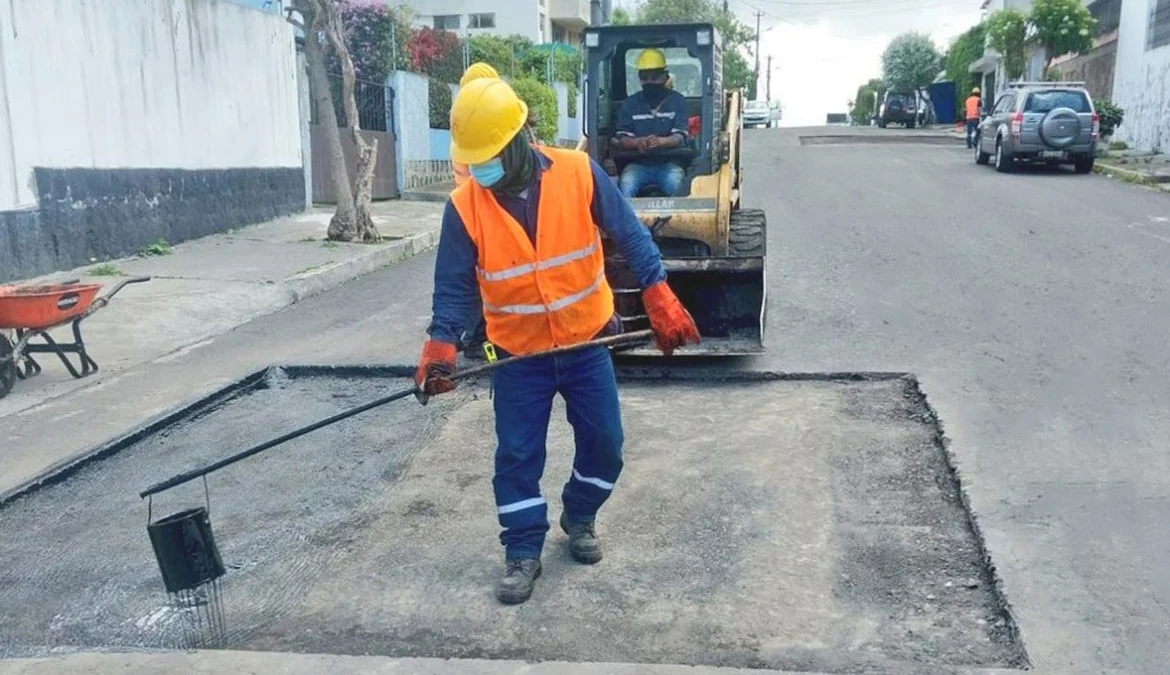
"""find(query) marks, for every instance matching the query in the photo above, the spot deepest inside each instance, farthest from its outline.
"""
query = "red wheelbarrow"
(32, 311)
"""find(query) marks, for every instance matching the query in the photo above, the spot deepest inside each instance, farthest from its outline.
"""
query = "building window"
(1108, 16)
(481, 20)
(1158, 32)
(446, 22)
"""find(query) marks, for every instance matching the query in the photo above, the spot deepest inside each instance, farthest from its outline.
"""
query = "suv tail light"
(1017, 124)
(1096, 126)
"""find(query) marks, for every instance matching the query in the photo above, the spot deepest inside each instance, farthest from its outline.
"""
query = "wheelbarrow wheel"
(7, 367)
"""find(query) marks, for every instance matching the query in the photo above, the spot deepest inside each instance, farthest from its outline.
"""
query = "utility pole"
(757, 73)
(768, 79)
(723, 38)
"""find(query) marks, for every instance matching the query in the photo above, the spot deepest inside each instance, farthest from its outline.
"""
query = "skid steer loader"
(713, 250)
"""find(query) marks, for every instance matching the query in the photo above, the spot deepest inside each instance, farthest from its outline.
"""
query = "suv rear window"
(901, 98)
(1046, 101)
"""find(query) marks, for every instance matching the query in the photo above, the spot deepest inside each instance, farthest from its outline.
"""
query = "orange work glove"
(435, 366)
(672, 324)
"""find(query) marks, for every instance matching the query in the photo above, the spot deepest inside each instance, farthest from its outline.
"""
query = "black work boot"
(520, 577)
(584, 545)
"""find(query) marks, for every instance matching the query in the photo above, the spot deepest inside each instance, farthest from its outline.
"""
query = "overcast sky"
(823, 49)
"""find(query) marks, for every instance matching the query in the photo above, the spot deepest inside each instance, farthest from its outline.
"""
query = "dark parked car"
(1040, 122)
(898, 108)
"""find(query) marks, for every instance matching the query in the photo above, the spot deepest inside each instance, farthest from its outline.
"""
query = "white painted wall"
(190, 84)
(513, 17)
(1141, 84)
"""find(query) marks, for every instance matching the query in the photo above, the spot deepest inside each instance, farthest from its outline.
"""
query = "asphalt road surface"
(1032, 307)
(1035, 309)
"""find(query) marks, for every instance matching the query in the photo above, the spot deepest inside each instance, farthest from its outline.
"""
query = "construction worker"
(651, 121)
(527, 231)
(973, 105)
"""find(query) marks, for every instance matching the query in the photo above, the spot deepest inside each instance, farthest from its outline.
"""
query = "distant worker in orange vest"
(527, 230)
(973, 104)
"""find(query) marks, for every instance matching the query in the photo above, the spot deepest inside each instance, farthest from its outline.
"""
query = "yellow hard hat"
(477, 70)
(975, 90)
(651, 59)
(485, 116)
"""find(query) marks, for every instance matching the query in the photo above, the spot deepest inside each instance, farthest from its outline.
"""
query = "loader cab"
(612, 76)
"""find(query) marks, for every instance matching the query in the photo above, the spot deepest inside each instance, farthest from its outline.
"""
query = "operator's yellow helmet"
(485, 116)
(651, 59)
(975, 90)
(476, 71)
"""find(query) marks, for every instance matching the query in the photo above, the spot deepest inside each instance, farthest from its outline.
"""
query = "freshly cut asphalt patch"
(877, 137)
(775, 524)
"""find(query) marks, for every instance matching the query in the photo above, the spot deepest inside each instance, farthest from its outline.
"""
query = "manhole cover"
(778, 524)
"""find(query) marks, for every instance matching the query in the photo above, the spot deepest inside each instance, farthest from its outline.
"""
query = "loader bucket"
(725, 296)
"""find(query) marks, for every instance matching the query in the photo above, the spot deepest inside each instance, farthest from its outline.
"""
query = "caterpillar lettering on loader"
(713, 250)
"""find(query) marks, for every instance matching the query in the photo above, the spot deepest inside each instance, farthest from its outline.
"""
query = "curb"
(425, 196)
(322, 279)
(1131, 176)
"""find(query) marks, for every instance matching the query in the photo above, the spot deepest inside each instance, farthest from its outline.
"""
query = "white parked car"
(757, 114)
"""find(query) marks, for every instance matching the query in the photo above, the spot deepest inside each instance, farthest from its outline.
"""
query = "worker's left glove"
(672, 324)
(434, 368)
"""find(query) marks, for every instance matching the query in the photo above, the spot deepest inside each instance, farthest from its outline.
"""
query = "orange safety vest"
(972, 107)
(551, 294)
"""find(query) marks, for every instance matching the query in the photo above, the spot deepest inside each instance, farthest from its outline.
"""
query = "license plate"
(1052, 154)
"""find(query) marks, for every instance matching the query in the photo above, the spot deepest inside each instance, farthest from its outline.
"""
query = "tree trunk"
(362, 225)
(315, 18)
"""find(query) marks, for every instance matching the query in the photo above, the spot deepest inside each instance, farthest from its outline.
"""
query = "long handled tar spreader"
(187, 476)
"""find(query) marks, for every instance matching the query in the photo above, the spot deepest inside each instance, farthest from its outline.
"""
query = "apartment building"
(538, 20)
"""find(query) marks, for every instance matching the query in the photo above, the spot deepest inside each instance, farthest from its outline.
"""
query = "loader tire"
(749, 233)
(7, 367)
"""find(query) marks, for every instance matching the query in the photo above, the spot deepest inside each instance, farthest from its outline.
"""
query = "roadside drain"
(808, 525)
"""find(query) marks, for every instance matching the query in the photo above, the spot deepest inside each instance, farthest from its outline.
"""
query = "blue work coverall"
(524, 392)
(637, 118)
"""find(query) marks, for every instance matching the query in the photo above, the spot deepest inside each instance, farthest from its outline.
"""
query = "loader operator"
(527, 229)
(651, 121)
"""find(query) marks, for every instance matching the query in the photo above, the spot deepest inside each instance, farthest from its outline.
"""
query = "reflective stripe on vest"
(553, 306)
(529, 268)
(544, 293)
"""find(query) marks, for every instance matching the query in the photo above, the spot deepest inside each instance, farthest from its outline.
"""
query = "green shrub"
(440, 100)
(542, 103)
(1111, 117)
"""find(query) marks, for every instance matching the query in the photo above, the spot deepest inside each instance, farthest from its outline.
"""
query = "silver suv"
(1043, 122)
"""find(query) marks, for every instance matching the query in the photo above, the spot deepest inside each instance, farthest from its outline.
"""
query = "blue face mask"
(489, 173)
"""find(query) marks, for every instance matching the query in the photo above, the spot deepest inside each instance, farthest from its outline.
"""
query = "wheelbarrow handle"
(105, 299)
(187, 476)
(123, 284)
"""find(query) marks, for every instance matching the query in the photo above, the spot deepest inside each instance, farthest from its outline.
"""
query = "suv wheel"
(1004, 163)
(1083, 164)
(981, 158)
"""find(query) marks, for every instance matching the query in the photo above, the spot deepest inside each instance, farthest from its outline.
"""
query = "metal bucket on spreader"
(191, 567)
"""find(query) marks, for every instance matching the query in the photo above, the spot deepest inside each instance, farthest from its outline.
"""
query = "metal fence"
(372, 104)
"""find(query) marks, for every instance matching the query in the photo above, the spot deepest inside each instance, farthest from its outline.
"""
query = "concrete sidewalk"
(206, 287)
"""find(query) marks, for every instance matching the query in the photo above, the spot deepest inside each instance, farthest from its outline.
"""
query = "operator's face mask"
(489, 173)
(654, 84)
